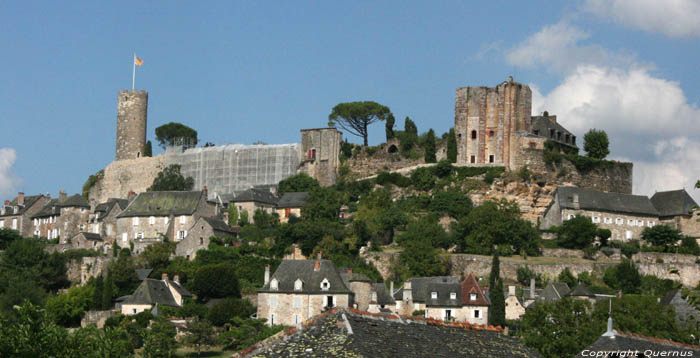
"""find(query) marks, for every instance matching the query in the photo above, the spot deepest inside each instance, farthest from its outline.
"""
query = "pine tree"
(430, 147)
(107, 292)
(97, 296)
(452, 146)
(148, 151)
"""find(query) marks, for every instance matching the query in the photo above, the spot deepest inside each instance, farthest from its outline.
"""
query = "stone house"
(381, 298)
(87, 240)
(626, 216)
(320, 154)
(360, 285)
(679, 211)
(17, 214)
(198, 236)
(514, 305)
(290, 204)
(301, 289)
(153, 293)
(411, 296)
(254, 199)
(685, 313)
(461, 302)
(103, 220)
(155, 214)
(62, 217)
(583, 293)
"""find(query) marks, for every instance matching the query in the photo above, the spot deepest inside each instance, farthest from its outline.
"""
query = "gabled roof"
(383, 295)
(673, 203)
(163, 203)
(601, 201)
(544, 124)
(152, 291)
(291, 270)
(28, 202)
(257, 196)
(623, 341)
(419, 286)
(351, 276)
(444, 291)
(53, 207)
(109, 204)
(292, 200)
(471, 285)
(219, 225)
(142, 274)
(580, 291)
(351, 333)
(555, 291)
(669, 297)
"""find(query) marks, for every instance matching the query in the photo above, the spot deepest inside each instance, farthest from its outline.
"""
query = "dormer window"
(453, 295)
(298, 285)
(433, 295)
(325, 285)
(472, 297)
(274, 284)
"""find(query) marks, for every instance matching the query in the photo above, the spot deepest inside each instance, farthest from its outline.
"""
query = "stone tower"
(320, 154)
(132, 110)
(488, 121)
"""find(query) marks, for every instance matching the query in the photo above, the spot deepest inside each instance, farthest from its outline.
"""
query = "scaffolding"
(232, 168)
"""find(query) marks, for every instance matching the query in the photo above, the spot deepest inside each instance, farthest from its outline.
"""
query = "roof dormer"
(298, 285)
(274, 284)
(325, 285)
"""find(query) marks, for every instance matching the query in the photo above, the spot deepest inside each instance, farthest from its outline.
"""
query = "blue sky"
(239, 72)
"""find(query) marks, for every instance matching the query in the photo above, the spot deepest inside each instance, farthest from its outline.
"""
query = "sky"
(241, 72)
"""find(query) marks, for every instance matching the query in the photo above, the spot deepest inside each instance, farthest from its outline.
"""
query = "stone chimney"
(391, 288)
(407, 291)
(131, 195)
(511, 290)
(317, 264)
(176, 279)
(553, 119)
(62, 194)
(533, 295)
(267, 274)
(226, 217)
(20, 198)
(204, 189)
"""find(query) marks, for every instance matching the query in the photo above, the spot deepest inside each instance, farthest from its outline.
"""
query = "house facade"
(87, 240)
(514, 305)
(17, 214)
(678, 210)
(199, 235)
(290, 204)
(103, 219)
(152, 293)
(460, 302)
(63, 217)
(254, 199)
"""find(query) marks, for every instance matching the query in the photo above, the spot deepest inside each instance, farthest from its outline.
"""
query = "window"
(139, 235)
(433, 295)
(472, 297)
(473, 159)
(82, 227)
(166, 220)
(36, 222)
(182, 219)
(273, 301)
(448, 315)
(630, 222)
(152, 220)
(14, 224)
(532, 145)
(55, 233)
(491, 133)
(607, 220)
(416, 306)
(640, 222)
(559, 136)
(134, 310)
(536, 132)
(596, 219)
(296, 319)
(37, 233)
(473, 134)
(298, 285)
(569, 217)
(491, 158)
(181, 234)
(628, 235)
(650, 223)
(135, 221)
(201, 241)
(330, 301)
(619, 221)
(325, 285)
(453, 295)
(297, 301)
(272, 319)
(313, 154)
(274, 285)
(477, 313)
(124, 237)
(551, 133)
(566, 138)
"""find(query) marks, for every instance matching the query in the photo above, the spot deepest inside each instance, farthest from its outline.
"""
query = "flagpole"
(133, 73)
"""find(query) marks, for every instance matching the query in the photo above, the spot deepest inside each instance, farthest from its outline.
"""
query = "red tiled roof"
(470, 285)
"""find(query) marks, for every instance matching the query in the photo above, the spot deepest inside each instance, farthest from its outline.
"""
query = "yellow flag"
(138, 61)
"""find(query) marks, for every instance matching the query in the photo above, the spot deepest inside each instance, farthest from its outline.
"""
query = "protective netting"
(230, 169)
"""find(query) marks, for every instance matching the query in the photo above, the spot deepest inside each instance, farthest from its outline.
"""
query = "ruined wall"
(98, 318)
(123, 176)
(82, 270)
(320, 154)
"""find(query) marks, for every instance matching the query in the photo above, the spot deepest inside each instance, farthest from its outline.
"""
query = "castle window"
(138, 154)
(491, 158)
(459, 136)
(473, 159)
(473, 134)
(491, 133)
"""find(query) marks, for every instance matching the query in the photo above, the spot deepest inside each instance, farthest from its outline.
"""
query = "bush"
(689, 246)
(216, 281)
(423, 179)
(624, 276)
(385, 178)
(418, 313)
(225, 310)
(577, 233)
(607, 251)
(525, 274)
(589, 253)
(443, 168)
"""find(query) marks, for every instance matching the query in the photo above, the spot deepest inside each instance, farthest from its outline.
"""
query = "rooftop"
(623, 341)
(152, 291)
(290, 270)
(673, 203)
(594, 200)
(256, 196)
(163, 203)
(292, 200)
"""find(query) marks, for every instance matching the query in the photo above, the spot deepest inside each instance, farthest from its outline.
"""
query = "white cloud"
(8, 181)
(558, 48)
(669, 17)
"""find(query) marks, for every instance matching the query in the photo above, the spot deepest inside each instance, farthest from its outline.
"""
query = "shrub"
(418, 313)
(562, 172)
(524, 174)
(607, 251)
(589, 253)
(224, 311)
(384, 178)
(443, 169)
(422, 179)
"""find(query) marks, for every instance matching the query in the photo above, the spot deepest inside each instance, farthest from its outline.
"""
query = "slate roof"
(544, 124)
(386, 336)
(53, 207)
(163, 203)
(291, 270)
(292, 200)
(383, 295)
(443, 295)
(601, 201)
(142, 274)
(555, 291)
(104, 208)
(90, 236)
(152, 291)
(28, 202)
(673, 203)
(219, 225)
(352, 277)
(580, 291)
(623, 341)
(419, 286)
(257, 196)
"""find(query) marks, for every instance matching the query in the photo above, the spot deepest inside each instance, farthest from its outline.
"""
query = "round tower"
(132, 110)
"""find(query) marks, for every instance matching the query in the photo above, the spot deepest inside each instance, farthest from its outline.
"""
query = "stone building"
(301, 289)
(582, 292)
(198, 236)
(678, 210)
(153, 293)
(290, 204)
(412, 295)
(515, 308)
(254, 199)
(156, 214)
(626, 216)
(381, 298)
(320, 154)
(132, 112)
(62, 217)
(87, 240)
(460, 302)
(103, 220)
(494, 125)
(17, 214)
(360, 285)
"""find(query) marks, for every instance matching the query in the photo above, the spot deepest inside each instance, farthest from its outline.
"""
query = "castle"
(226, 169)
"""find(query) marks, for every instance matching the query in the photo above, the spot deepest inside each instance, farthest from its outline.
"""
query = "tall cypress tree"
(497, 311)
(389, 126)
(452, 146)
(107, 292)
(97, 296)
(430, 147)
(495, 269)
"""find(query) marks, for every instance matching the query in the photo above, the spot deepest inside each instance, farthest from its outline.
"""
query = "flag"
(138, 61)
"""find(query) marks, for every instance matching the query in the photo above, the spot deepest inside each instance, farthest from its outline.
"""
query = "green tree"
(107, 292)
(228, 308)
(157, 256)
(67, 309)
(355, 117)
(168, 134)
(110, 342)
(200, 334)
(454, 203)
(452, 146)
(497, 311)
(160, 340)
(242, 333)
(661, 235)
(429, 147)
(409, 137)
(389, 126)
(577, 233)
(123, 276)
(596, 144)
(7, 236)
(603, 235)
(420, 259)
(97, 293)
(170, 179)
(624, 276)
(689, 246)
(148, 151)
(31, 334)
(428, 229)
(216, 281)
(568, 278)
(243, 220)
(297, 183)
(232, 215)
(322, 203)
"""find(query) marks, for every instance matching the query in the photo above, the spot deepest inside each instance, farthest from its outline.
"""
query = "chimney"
(131, 195)
(391, 288)
(317, 264)
(553, 119)
(204, 189)
(267, 274)
(20, 198)
(164, 277)
(176, 279)
(226, 216)
(62, 194)
(533, 295)
(511, 290)
(7, 202)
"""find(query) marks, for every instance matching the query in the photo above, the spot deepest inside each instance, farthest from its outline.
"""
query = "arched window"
(473, 134)
(298, 285)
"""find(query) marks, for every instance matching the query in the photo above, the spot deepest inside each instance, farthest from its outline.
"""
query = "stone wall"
(97, 318)
(364, 165)
(123, 176)
(82, 270)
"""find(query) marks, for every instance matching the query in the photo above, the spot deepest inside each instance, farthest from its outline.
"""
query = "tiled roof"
(53, 207)
(673, 203)
(601, 201)
(623, 341)
(469, 286)
(218, 225)
(292, 200)
(444, 291)
(383, 295)
(152, 291)
(580, 291)
(351, 333)
(163, 203)
(544, 124)
(291, 270)
(28, 202)
(419, 286)
(257, 196)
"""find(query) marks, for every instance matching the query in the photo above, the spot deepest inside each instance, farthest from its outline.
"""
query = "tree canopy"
(452, 146)
(577, 232)
(171, 179)
(596, 144)
(661, 235)
(167, 134)
(355, 117)
(297, 183)
(389, 126)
